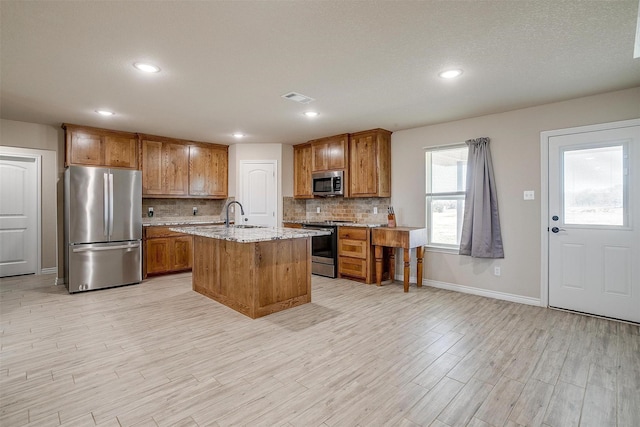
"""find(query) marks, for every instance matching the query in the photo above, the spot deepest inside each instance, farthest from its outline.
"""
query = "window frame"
(430, 196)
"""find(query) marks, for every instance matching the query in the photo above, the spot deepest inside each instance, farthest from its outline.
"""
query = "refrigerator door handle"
(105, 211)
(110, 203)
(106, 248)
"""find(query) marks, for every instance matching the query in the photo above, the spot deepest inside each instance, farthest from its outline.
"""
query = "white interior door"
(18, 215)
(594, 222)
(258, 192)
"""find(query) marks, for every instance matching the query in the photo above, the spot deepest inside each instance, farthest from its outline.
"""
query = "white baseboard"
(50, 270)
(482, 292)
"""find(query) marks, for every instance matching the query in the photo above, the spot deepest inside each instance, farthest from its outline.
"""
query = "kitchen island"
(255, 271)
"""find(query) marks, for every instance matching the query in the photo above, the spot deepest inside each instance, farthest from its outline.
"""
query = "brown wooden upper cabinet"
(329, 153)
(370, 163)
(165, 168)
(208, 171)
(90, 146)
(302, 171)
(176, 168)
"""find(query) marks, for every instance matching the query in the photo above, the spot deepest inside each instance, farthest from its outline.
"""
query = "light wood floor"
(160, 354)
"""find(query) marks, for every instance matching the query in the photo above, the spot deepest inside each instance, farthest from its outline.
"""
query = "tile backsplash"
(336, 208)
(183, 207)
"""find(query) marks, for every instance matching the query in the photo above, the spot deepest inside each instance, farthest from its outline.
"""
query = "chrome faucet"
(226, 219)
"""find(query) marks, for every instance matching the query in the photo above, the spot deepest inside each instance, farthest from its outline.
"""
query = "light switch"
(529, 195)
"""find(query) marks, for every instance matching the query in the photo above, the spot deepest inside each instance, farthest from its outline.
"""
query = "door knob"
(556, 229)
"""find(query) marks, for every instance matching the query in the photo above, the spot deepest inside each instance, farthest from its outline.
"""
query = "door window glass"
(594, 186)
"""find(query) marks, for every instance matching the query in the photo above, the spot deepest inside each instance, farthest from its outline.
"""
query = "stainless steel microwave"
(328, 183)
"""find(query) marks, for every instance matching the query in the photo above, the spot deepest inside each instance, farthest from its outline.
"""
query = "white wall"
(46, 141)
(287, 170)
(515, 147)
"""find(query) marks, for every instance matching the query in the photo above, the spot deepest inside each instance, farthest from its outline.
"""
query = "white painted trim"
(28, 154)
(39, 213)
(49, 270)
(544, 192)
(483, 292)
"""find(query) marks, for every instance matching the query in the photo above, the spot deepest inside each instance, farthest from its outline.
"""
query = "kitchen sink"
(247, 226)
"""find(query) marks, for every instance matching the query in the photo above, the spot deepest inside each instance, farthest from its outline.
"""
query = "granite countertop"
(249, 235)
(181, 220)
(329, 222)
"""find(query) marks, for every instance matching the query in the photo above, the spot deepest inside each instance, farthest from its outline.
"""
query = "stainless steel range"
(324, 249)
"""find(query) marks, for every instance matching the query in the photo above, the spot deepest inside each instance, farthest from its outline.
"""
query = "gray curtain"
(481, 236)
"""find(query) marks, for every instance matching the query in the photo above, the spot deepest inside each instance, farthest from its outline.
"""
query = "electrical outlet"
(150, 212)
(195, 210)
(232, 208)
(375, 210)
(529, 195)
(318, 209)
(496, 271)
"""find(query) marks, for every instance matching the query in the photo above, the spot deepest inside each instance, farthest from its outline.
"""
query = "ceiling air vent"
(297, 97)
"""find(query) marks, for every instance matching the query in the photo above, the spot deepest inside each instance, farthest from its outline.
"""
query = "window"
(446, 172)
(594, 186)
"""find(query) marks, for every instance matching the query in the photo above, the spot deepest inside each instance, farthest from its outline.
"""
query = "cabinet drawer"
(353, 233)
(154, 232)
(352, 248)
(353, 267)
(291, 225)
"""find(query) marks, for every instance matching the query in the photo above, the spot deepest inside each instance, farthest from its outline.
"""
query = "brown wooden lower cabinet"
(355, 254)
(166, 251)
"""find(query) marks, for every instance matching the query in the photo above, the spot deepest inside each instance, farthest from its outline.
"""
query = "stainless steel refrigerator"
(103, 227)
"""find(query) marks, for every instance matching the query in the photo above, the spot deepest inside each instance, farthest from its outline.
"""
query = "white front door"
(594, 222)
(258, 192)
(18, 215)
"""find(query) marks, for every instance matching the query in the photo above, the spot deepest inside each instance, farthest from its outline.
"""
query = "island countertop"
(249, 235)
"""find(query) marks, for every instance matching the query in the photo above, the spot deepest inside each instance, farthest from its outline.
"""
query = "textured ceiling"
(367, 63)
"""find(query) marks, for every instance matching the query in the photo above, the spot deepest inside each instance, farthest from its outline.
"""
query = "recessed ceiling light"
(105, 113)
(450, 74)
(238, 135)
(311, 114)
(147, 68)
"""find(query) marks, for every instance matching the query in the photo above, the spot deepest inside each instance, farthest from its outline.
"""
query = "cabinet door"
(181, 253)
(208, 172)
(120, 152)
(157, 255)
(363, 166)
(219, 173)
(176, 169)
(85, 149)
(319, 157)
(329, 153)
(302, 171)
(152, 168)
(337, 148)
(370, 164)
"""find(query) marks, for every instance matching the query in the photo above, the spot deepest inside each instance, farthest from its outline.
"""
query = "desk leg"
(378, 255)
(420, 256)
(407, 263)
(392, 264)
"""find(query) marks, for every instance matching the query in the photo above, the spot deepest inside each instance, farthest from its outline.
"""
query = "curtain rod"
(435, 147)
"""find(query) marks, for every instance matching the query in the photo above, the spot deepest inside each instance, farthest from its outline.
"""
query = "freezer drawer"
(103, 265)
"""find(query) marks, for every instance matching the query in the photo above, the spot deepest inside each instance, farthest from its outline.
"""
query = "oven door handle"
(330, 229)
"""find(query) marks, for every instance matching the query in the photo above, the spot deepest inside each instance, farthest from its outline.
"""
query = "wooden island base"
(255, 279)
